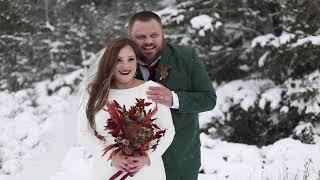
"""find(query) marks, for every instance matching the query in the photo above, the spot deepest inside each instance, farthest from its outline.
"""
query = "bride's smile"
(125, 72)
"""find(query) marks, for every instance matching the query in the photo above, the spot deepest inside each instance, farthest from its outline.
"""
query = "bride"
(114, 79)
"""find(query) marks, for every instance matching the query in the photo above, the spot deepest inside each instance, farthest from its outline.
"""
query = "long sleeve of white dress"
(164, 121)
(92, 145)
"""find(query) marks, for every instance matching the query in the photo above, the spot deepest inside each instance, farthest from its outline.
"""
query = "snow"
(272, 40)
(244, 67)
(284, 109)
(284, 38)
(308, 84)
(262, 40)
(67, 79)
(262, 59)
(179, 18)
(218, 24)
(216, 15)
(17, 38)
(272, 95)
(33, 126)
(185, 4)
(49, 26)
(300, 129)
(240, 92)
(170, 14)
(55, 46)
(287, 157)
(166, 3)
(78, 31)
(38, 135)
(11, 166)
(315, 40)
(67, 170)
(203, 23)
(264, 91)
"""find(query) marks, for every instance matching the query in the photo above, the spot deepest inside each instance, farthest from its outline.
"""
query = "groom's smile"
(149, 49)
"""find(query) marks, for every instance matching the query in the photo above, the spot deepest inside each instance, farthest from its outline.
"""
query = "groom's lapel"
(166, 60)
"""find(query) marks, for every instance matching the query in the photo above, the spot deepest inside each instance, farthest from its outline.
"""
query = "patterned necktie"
(152, 71)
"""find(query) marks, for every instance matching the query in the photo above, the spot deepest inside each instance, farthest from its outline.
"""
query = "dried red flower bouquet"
(134, 130)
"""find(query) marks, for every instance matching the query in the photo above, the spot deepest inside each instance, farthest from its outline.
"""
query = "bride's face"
(126, 65)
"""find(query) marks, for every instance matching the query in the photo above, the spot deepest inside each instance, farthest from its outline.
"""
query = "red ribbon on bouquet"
(117, 174)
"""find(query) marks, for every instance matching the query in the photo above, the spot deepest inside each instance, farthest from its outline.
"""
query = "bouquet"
(134, 130)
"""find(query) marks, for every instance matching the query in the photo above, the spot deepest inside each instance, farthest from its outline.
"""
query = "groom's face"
(149, 37)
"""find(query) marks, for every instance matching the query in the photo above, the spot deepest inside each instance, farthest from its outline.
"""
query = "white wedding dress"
(101, 169)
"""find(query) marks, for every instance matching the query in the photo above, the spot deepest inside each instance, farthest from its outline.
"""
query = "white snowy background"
(38, 131)
(39, 142)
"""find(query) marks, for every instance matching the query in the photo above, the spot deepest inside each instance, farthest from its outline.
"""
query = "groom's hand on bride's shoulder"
(160, 94)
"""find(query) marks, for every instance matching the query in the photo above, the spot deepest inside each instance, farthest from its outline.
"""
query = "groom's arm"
(202, 96)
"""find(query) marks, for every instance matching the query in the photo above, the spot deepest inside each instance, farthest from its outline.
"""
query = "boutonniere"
(163, 71)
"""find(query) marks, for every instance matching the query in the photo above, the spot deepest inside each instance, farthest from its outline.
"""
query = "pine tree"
(255, 40)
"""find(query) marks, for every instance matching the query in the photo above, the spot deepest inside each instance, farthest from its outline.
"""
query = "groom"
(186, 89)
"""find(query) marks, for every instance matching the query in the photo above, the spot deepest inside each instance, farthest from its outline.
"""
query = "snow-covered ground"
(38, 142)
(36, 130)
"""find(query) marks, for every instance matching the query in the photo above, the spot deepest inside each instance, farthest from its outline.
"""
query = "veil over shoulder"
(70, 151)
(81, 91)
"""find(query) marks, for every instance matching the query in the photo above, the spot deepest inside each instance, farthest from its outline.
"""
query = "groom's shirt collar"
(144, 70)
(140, 62)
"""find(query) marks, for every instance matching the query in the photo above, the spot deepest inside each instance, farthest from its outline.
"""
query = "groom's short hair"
(143, 16)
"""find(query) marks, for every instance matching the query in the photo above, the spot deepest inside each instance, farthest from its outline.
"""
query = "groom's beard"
(156, 55)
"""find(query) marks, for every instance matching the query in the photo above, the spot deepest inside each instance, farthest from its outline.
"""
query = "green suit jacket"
(188, 79)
